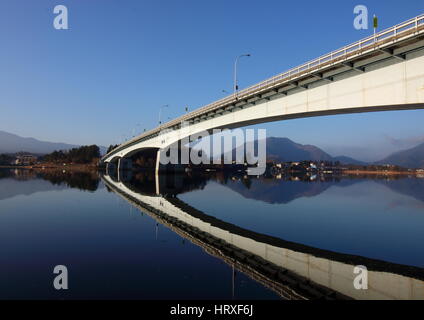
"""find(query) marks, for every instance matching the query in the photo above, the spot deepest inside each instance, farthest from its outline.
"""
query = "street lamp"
(235, 73)
(160, 113)
(134, 130)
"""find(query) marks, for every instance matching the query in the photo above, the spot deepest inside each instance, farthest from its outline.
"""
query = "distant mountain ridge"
(12, 143)
(349, 160)
(286, 150)
(411, 158)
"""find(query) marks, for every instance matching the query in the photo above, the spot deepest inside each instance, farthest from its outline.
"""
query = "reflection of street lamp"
(233, 278)
(235, 73)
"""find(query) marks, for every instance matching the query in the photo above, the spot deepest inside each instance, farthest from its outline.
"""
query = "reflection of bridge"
(292, 270)
(382, 72)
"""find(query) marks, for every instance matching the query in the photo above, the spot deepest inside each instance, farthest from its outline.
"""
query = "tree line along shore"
(88, 158)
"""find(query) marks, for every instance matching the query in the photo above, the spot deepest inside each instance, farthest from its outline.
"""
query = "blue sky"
(107, 76)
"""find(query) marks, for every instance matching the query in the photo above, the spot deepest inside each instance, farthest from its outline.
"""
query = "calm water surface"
(98, 226)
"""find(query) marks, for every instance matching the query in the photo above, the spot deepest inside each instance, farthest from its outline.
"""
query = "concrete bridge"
(292, 270)
(379, 73)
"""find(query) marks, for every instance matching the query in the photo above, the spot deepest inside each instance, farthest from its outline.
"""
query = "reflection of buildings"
(292, 270)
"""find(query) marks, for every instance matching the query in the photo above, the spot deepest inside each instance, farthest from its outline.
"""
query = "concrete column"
(157, 162)
(119, 169)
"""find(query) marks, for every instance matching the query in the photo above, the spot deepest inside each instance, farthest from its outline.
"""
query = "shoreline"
(386, 173)
(49, 166)
(90, 167)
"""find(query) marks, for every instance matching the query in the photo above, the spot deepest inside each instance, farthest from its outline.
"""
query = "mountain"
(276, 191)
(12, 143)
(284, 149)
(349, 160)
(411, 158)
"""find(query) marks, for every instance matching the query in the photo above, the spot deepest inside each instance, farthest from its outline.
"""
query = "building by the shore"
(25, 160)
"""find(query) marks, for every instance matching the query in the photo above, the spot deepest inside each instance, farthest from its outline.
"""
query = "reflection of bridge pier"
(150, 182)
(124, 169)
(110, 167)
(292, 270)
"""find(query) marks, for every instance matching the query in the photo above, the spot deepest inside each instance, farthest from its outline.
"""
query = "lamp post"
(235, 73)
(135, 129)
(375, 24)
(138, 127)
(160, 113)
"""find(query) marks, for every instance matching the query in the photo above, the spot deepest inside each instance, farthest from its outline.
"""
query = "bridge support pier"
(118, 169)
(157, 166)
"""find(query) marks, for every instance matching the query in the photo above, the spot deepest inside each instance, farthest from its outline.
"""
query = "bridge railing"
(347, 52)
(390, 35)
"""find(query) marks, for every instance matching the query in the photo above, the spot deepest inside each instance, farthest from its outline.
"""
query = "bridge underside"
(325, 113)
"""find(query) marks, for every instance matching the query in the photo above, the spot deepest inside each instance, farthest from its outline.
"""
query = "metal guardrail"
(360, 47)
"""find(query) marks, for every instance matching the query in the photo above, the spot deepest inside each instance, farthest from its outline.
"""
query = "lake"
(210, 236)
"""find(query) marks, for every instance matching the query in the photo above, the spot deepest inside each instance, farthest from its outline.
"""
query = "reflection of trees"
(17, 174)
(83, 180)
(87, 181)
(5, 174)
(170, 184)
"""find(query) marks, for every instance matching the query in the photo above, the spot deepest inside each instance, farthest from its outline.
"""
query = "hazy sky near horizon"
(105, 78)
